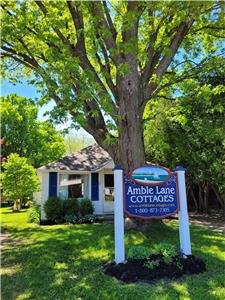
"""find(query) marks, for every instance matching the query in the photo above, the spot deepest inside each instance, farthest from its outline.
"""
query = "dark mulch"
(135, 269)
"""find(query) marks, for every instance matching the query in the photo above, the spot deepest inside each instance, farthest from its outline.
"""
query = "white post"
(184, 232)
(118, 215)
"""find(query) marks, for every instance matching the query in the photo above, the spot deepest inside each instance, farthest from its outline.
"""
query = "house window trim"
(68, 173)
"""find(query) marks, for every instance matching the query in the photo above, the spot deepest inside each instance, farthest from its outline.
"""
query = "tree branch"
(109, 20)
(102, 24)
(182, 30)
(79, 50)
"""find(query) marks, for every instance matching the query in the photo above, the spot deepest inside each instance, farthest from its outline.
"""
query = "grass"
(65, 262)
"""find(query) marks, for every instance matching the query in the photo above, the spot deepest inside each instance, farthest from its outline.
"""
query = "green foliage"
(86, 207)
(152, 264)
(86, 65)
(71, 210)
(138, 252)
(19, 179)
(71, 219)
(34, 214)
(167, 250)
(189, 130)
(23, 134)
(75, 253)
(71, 206)
(74, 219)
(53, 208)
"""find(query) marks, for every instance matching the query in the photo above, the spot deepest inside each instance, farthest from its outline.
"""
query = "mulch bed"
(134, 270)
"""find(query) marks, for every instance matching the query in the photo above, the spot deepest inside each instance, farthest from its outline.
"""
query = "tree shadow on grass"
(65, 262)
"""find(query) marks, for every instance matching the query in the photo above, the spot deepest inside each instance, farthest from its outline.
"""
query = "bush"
(86, 207)
(138, 252)
(71, 219)
(53, 208)
(70, 206)
(34, 214)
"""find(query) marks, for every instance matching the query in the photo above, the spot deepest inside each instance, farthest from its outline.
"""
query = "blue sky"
(24, 90)
(27, 90)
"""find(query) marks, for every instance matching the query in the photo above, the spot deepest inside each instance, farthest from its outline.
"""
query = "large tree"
(23, 134)
(101, 61)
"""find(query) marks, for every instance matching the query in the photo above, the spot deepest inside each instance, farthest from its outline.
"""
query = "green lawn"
(65, 262)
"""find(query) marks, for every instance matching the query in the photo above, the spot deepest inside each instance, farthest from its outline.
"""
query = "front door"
(108, 193)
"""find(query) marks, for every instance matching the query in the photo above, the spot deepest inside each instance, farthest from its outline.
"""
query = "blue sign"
(151, 192)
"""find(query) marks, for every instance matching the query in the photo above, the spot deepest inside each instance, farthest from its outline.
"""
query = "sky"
(27, 90)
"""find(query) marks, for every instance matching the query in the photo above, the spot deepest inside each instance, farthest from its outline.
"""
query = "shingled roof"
(88, 159)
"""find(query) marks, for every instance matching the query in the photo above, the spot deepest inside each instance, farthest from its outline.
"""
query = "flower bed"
(154, 267)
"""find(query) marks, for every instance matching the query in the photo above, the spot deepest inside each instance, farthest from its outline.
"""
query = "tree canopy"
(189, 130)
(23, 134)
(102, 61)
(19, 179)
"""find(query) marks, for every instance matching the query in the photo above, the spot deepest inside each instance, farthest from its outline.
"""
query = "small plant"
(178, 263)
(167, 250)
(150, 264)
(89, 218)
(70, 206)
(86, 207)
(73, 219)
(53, 208)
(34, 214)
(138, 252)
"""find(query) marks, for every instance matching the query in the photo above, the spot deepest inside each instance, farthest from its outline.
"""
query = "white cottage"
(85, 174)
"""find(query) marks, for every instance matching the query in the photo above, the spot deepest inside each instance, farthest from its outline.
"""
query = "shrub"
(138, 252)
(86, 207)
(53, 208)
(87, 219)
(71, 219)
(34, 214)
(70, 206)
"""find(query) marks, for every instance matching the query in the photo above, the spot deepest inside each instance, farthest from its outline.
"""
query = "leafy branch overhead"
(98, 59)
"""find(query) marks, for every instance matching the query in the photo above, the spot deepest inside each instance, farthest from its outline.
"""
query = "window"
(71, 186)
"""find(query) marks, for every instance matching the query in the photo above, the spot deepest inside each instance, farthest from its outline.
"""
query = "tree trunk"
(17, 205)
(194, 199)
(130, 151)
(201, 204)
(219, 198)
(206, 197)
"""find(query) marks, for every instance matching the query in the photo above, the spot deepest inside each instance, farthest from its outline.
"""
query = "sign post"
(184, 232)
(148, 192)
(119, 215)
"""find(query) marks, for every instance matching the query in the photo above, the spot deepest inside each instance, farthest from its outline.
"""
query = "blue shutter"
(94, 187)
(53, 184)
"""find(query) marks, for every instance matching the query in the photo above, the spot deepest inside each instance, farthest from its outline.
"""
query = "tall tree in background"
(75, 142)
(23, 134)
(102, 61)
